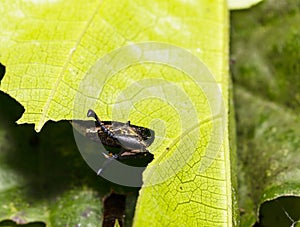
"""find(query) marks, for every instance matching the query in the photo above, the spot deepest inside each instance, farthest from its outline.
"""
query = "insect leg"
(107, 161)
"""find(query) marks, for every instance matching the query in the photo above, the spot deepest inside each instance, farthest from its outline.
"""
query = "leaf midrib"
(63, 70)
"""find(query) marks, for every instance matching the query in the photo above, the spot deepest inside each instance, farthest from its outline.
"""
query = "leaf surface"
(48, 51)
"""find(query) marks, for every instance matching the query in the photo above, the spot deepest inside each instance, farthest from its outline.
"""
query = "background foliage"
(265, 43)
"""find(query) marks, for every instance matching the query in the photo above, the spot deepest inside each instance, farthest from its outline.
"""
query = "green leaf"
(242, 4)
(265, 53)
(49, 52)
